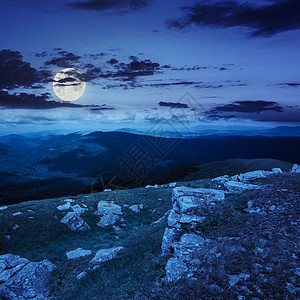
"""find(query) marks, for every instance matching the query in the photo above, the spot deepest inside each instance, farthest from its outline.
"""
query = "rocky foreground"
(239, 240)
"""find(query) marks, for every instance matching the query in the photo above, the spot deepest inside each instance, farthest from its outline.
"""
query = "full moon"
(68, 84)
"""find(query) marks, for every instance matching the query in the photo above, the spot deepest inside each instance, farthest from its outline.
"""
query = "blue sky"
(210, 63)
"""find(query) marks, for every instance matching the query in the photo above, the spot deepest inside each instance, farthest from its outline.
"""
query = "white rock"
(69, 200)
(296, 168)
(239, 187)
(3, 207)
(23, 279)
(250, 176)
(126, 205)
(222, 179)
(30, 211)
(64, 206)
(15, 227)
(148, 186)
(108, 220)
(74, 222)
(276, 170)
(79, 252)
(107, 190)
(136, 208)
(108, 207)
(81, 275)
(185, 198)
(105, 255)
(17, 214)
(172, 184)
(175, 269)
(78, 209)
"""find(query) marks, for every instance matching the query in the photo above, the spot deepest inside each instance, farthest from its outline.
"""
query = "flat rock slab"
(239, 187)
(104, 255)
(77, 253)
(108, 207)
(23, 279)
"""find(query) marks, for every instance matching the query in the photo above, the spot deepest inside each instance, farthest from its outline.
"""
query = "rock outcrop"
(74, 222)
(23, 279)
(239, 187)
(190, 207)
(109, 213)
(104, 255)
(77, 253)
(136, 208)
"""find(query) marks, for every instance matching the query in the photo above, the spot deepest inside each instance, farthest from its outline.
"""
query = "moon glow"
(68, 84)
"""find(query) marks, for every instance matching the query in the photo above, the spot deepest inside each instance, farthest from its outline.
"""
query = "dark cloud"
(265, 20)
(15, 73)
(31, 101)
(247, 106)
(290, 84)
(66, 60)
(173, 104)
(113, 5)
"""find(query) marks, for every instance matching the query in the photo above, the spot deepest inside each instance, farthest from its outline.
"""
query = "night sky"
(211, 64)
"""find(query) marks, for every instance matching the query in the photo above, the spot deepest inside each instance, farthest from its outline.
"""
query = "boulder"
(253, 175)
(3, 207)
(108, 220)
(78, 253)
(107, 190)
(175, 269)
(105, 255)
(109, 213)
(276, 170)
(74, 222)
(296, 168)
(108, 207)
(136, 208)
(184, 198)
(64, 206)
(239, 187)
(78, 209)
(172, 184)
(23, 279)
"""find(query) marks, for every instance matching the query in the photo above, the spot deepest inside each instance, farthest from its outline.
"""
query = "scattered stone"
(107, 190)
(276, 170)
(3, 207)
(30, 217)
(136, 208)
(7, 236)
(105, 255)
(151, 186)
(78, 209)
(172, 184)
(74, 222)
(15, 227)
(81, 275)
(239, 187)
(126, 205)
(23, 279)
(64, 206)
(17, 214)
(79, 252)
(30, 211)
(85, 206)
